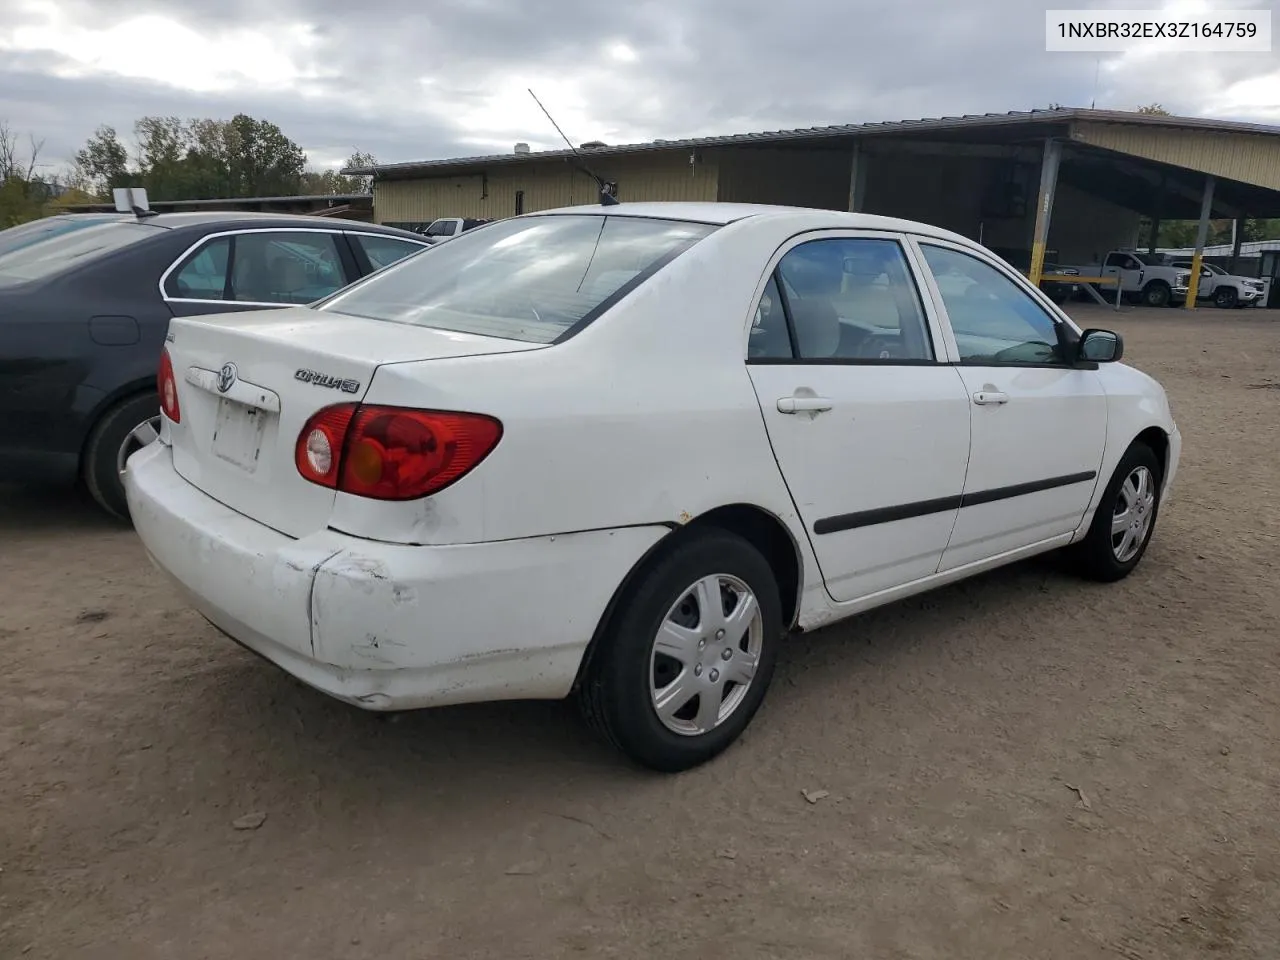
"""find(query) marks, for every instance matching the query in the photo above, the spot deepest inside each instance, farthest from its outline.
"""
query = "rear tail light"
(167, 387)
(392, 453)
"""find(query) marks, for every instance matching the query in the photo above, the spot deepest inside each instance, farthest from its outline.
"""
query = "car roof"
(235, 218)
(722, 214)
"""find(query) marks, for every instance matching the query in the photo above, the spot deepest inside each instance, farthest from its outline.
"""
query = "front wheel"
(1157, 294)
(122, 431)
(1225, 298)
(1125, 518)
(687, 657)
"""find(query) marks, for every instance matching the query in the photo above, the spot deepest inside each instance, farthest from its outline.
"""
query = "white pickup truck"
(446, 228)
(1225, 289)
(1144, 277)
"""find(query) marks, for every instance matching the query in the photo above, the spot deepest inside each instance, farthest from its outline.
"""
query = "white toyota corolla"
(623, 451)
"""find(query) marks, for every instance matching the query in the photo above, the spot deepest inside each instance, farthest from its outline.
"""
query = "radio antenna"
(607, 199)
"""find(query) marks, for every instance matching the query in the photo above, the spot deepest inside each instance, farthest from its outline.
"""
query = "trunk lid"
(248, 382)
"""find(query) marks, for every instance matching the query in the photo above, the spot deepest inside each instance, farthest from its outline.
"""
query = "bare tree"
(12, 164)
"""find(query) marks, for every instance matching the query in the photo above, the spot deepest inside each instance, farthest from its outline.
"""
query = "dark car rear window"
(66, 251)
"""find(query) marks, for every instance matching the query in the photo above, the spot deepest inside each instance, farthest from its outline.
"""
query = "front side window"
(994, 320)
(384, 251)
(531, 279)
(845, 299)
(441, 228)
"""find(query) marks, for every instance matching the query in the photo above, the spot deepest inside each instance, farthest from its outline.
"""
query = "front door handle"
(803, 404)
(984, 397)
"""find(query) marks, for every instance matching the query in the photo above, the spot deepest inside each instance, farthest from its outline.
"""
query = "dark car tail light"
(392, 453)
(167, 387)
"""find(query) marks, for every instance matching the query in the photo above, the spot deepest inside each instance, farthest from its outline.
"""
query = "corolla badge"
(227, 377)
(326, 380)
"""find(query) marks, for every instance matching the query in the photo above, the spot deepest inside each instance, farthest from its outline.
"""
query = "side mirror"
(1100, 346)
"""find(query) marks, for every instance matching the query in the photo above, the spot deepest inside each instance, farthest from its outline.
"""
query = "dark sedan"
(84, 311)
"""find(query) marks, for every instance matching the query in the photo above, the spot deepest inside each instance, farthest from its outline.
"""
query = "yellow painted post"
(1202, 234)
(1044, 207)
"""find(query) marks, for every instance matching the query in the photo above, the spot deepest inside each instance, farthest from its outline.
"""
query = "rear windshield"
(527, 279)
(53, 255)
(28, 233)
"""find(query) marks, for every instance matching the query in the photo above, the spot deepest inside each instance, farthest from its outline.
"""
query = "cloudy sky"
(417, 79)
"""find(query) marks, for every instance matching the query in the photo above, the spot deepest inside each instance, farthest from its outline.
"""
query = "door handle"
(984, 397)
(803, 404)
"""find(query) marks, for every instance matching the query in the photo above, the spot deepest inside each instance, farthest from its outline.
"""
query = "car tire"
(1125, 519)
(1225, 298)
(658, 645)
(100, 464)
(1157, 293)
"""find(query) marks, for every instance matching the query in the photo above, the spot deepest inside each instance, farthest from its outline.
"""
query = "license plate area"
(237, 434)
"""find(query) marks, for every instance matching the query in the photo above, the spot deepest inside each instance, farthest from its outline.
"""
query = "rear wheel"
(1125, 518)
(122, 431)
(688, 655)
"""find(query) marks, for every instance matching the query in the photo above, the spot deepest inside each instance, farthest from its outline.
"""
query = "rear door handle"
(984, 397)
(803, 404)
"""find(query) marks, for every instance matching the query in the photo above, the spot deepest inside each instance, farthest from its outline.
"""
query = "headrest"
(817, 327)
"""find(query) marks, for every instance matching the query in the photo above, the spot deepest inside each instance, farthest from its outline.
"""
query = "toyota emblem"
(227, 377)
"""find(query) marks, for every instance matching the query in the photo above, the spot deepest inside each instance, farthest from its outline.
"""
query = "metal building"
(1064, 185)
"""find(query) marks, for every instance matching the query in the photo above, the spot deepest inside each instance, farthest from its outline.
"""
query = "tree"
(22, 194)
(163, 147)
(103, 162)
(331, 182)
(263, 161)
(1154, 110)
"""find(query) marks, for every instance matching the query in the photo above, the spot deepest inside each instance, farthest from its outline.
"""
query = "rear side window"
(530, 279)
(384, 251)
(67, 251)
(271, 267)
(204, 275)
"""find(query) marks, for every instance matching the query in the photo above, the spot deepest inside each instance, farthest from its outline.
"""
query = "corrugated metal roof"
(973, 121)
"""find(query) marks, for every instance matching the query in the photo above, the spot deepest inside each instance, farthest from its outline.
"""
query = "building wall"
(546, 185)
(946, 192)
(801, 178)
(1249, 158)
(1084, 228)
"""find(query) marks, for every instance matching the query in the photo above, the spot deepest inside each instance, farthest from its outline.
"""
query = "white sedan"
(622, 452)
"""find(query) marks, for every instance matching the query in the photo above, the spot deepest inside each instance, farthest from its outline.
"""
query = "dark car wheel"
(687, 657)
(110, 443)
(1125, 518)
(1225, 298)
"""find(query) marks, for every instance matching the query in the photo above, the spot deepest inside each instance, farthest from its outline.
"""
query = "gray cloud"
(402, 80)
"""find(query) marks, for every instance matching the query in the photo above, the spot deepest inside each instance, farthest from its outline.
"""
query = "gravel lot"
(1020, 766)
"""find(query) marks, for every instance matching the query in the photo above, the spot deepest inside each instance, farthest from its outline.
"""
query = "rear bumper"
(385, 626)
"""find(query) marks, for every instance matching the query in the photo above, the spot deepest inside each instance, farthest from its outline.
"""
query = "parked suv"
(1224, 289)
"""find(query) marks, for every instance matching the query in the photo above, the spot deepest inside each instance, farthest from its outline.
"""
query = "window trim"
(934, 328)
(208, 237)
(1063, 324)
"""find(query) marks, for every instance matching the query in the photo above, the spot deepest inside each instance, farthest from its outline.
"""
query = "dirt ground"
(1020, 766)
